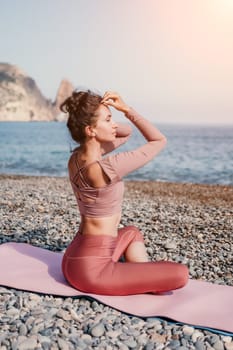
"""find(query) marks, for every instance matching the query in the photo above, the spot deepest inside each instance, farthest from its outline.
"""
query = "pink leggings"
(91, 264)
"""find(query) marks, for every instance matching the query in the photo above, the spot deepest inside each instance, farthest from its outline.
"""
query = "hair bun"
(72, 103)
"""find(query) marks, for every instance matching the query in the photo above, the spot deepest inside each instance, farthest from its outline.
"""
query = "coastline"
(203, 193)
(183, 222)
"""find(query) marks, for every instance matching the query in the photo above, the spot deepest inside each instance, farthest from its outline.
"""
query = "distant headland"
(22, 100)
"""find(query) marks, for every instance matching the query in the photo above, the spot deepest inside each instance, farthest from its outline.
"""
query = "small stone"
(80, 345)
(142, 339)
(87, 339)
(12, 312)
(33, 296)
(63, 344)
(199, 345)
(184, 342)
(196, 335)
(98, 330)
(21, 338)
(29, 321)
(149, 346)
(109, 347)
(22, 329)
(226, 339)
(214, 338)
(52, 312)
(121, 346)
(161, 347)
(229, 346)
(28, 344)
(130, 342)
(113, 334)
(174, 344)
(151, 323)
(123, 337)
(3, 347)
(40, 209)
(65, 315)
(158, 338)
(74, 315)
(170, 245)
(187, 330)
(44, 340)
(218, 345)
(37, 328)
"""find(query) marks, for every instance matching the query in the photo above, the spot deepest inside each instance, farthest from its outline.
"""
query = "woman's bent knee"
(137, 234)
(182, 275)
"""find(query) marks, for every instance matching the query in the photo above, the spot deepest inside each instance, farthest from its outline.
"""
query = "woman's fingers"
(110, 95)
(113, 99)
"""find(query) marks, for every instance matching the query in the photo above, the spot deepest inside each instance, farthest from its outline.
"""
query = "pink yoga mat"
(203, 304)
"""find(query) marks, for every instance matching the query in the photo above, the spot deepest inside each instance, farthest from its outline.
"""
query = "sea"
(194, 153)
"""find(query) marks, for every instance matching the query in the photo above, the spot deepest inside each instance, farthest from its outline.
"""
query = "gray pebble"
(170, 245)
(197, 335)
(80, 344)
(22, 329)
(113, 334)
(121, 346)
(142, 339)
(188, 330)
(44, 340)
(28, 344)
(87, 339)
(174, 344)
(226, 339)
(98, 330)
(65, 315)
(63, 345)
(213, 339)
(130, 342)
(12, 312)
(229, 346)
(199, 345)
(218, 345)
(149, 346)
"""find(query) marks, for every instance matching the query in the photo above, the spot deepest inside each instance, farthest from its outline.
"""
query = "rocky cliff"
(21, 99)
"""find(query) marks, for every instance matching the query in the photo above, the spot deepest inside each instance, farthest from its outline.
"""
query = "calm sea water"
(197, 154)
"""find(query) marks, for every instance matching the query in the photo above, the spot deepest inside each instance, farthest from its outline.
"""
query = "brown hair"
(81, 107)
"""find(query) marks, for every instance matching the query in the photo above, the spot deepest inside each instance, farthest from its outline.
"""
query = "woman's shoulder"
(95, 174)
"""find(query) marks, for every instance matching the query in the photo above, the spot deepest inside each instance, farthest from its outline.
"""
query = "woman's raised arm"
(126, 162)
(124, 132)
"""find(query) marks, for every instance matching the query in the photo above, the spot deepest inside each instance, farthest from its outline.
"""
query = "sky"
(171, 60)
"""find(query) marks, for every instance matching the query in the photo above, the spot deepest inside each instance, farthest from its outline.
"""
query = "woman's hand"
(113, 99)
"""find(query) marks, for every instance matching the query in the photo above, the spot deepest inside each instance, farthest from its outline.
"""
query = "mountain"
(21, 99)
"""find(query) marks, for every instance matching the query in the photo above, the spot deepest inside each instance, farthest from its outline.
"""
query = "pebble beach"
(182, 222)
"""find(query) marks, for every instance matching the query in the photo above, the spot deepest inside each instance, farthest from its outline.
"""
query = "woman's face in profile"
(105, 128)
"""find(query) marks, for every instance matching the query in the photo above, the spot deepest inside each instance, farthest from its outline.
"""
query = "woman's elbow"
(129, 130)
(164, 141)
(124, 130)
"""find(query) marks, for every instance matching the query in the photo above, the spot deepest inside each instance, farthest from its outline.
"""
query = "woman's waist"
(100, 226)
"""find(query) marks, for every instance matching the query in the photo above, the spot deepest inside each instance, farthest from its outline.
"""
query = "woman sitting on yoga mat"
(92, 262)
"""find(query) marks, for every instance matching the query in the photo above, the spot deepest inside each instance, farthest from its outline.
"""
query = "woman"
(92, 262)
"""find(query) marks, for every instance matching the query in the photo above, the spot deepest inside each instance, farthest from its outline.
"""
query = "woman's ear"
(89, 131)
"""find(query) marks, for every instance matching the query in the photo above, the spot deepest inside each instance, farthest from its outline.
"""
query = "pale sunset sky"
(172, 60)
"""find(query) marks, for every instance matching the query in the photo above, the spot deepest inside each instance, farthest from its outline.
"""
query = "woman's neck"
(90, 150)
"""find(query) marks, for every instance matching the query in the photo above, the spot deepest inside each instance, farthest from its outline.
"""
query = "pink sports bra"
(107, 200)
(98, 202)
